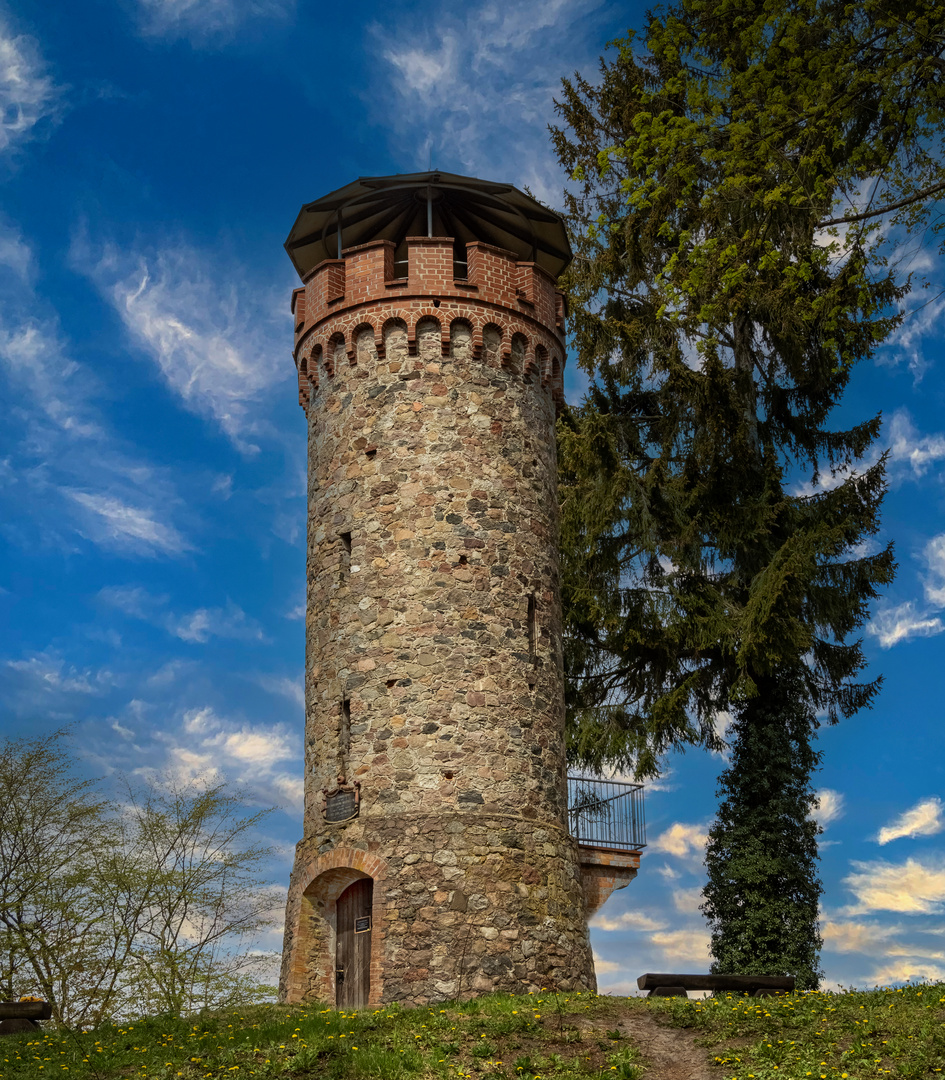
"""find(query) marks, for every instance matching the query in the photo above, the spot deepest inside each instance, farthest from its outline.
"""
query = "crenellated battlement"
(506, 313)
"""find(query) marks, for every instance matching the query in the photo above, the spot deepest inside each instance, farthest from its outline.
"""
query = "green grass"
(819, 1036)
(856, 1035)
(499, 1037)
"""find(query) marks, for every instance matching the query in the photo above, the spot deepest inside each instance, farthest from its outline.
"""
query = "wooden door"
(353, 958)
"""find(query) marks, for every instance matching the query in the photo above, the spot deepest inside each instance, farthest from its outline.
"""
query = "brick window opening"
(370, 454)
(460, 267)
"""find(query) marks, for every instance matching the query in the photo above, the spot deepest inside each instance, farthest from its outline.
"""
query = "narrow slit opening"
(346, 542)
(344, 734)
(532, 621)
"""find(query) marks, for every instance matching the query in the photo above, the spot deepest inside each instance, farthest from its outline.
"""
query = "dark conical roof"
(428, 204)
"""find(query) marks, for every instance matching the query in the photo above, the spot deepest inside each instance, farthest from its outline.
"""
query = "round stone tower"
(436, 860)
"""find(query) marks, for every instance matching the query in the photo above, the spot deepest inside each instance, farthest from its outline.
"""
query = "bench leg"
(668, 991)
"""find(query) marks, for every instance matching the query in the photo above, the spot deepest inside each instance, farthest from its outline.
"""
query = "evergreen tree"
(720, 311)
(763, 890)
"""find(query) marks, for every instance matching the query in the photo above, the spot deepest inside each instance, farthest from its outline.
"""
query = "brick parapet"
(343, 296)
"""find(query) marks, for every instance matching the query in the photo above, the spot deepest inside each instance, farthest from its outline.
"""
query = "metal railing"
(606, 813)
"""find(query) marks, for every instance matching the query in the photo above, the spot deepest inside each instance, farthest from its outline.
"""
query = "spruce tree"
(721, 311)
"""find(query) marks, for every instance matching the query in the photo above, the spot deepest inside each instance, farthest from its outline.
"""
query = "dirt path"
(671, 1053)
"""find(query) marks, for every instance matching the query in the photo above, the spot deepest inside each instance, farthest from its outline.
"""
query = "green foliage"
(732, 181)
(762, 894)
(112, 911)
(721, 314)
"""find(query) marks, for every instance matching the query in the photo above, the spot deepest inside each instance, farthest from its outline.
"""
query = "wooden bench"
(677, 985)
(18, 1016)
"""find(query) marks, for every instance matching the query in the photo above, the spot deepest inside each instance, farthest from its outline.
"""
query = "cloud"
(53, 674)
(45, 685)
(681, 840)
(892, 625)
(829, 807)
(908, 448)
(628, 920)
(854, 937)
(605, 967)
(194, 627)
(287, 688)
(27, 94)
(934, 555)
(921, 327)
(683, 946)
(913, 887)
(211, 748)
(902, 971)
(924, 819)
(206, 331)
(229, 622)
(471, 87)
(111, 521)
(207, 22)
(65, 470)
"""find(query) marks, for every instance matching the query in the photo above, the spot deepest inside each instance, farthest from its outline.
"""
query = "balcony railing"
(606, 813)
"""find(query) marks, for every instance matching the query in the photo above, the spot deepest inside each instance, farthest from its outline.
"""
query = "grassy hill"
(546, 1036)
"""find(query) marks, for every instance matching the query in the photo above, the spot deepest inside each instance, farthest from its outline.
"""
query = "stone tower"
(436, 859)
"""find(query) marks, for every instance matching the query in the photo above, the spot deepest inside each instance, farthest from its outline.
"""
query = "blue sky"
(153, 156)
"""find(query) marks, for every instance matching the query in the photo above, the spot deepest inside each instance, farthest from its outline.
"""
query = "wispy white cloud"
(915, 887)
(208, 331)
(914, 969)
(66, 471)
(686, 945)
(909, 449)
(934, 555)
(849, 936)
(207, 22)
(28, 94)
(263, 758)
(921, 328)
(470, 88)
(923, 819)
(48, 686)
(112, 521)
(902, 622)
(628, 920)
(605, 967)
(194, 627)
(284, 687)
(829, 807)
(911, 619)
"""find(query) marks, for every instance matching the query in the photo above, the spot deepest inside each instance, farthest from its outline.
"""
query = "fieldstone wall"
(433, 685)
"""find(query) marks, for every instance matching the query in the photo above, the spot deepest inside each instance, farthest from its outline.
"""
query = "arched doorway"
(353, 945)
